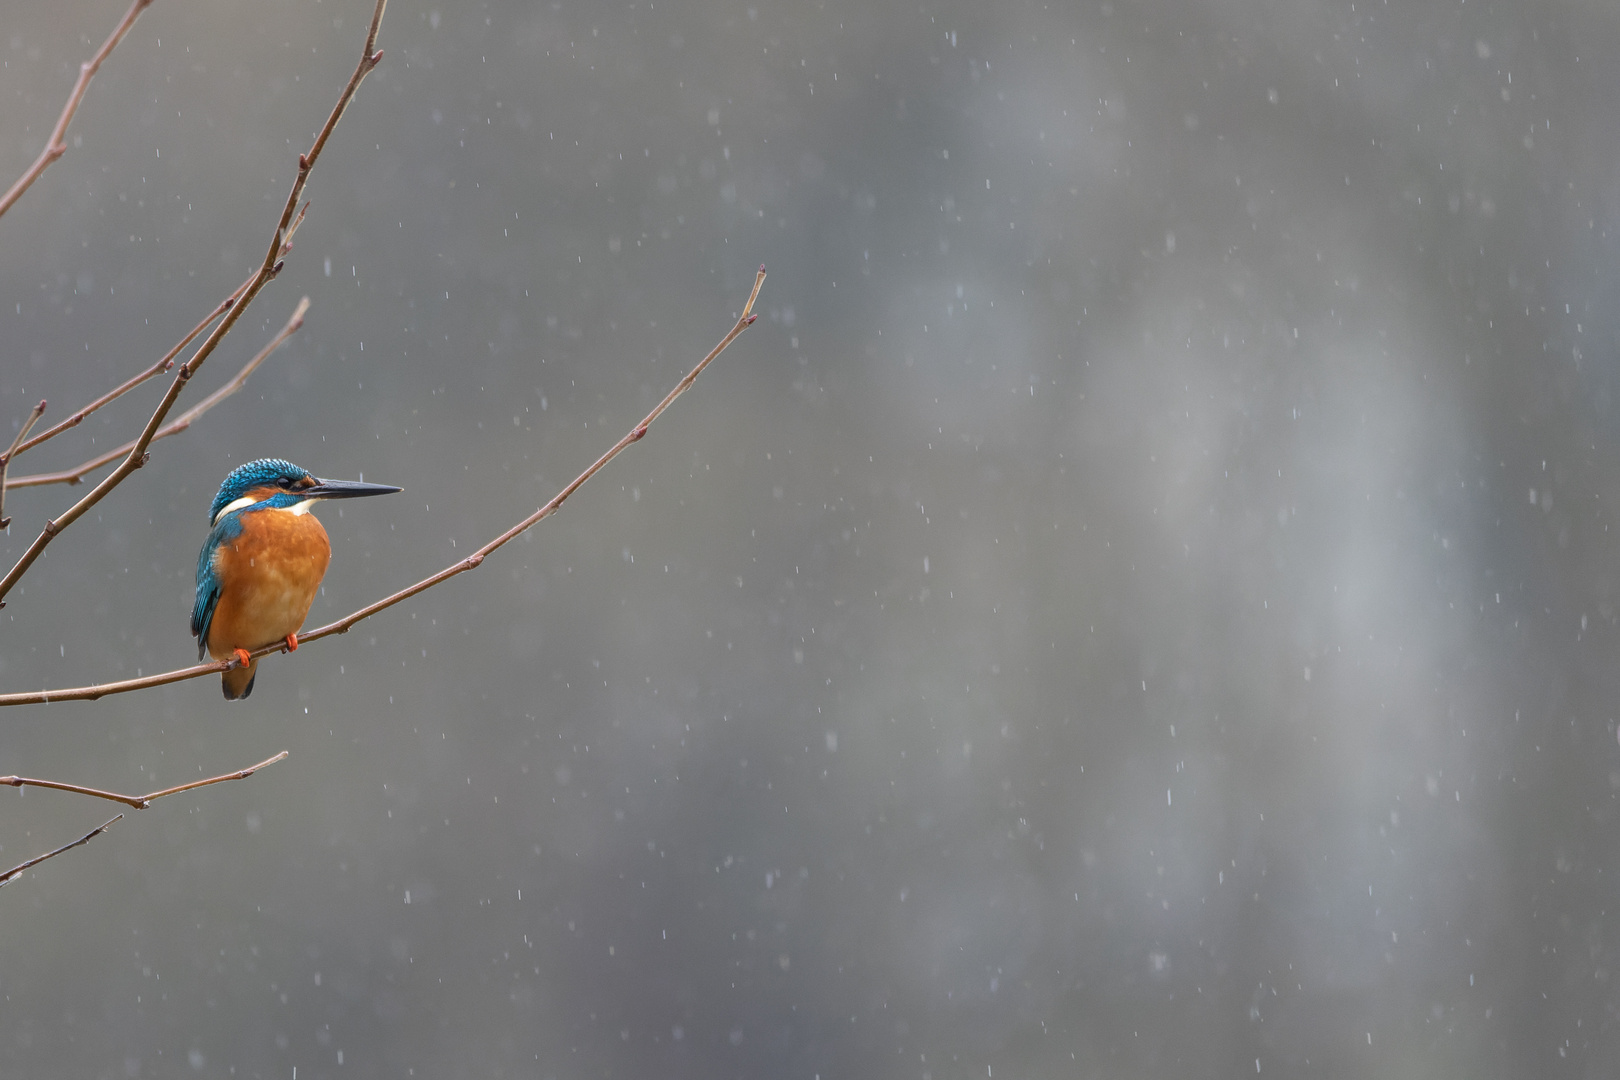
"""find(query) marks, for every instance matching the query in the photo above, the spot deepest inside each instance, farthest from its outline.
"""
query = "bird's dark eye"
(284, 482)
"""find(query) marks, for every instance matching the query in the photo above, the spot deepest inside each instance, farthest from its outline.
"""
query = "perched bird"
(262, 562)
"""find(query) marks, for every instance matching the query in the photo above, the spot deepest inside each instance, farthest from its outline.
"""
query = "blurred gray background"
(1141, 602)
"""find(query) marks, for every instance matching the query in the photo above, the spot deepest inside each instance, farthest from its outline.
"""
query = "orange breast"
(268, 578)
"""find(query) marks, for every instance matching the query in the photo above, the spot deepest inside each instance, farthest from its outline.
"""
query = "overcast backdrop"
(1141, 602)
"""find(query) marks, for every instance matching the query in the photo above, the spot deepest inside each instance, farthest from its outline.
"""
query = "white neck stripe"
(237, 505)
(302, 507)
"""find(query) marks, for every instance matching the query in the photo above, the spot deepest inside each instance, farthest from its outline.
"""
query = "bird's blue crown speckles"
(244, 478)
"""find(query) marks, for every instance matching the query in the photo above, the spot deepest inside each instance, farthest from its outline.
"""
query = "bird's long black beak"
(345, 489)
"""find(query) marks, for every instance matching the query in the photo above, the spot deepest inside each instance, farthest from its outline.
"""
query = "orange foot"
(292, 642)
(243, 658)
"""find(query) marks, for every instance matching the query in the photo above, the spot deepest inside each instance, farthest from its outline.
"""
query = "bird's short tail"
(238, 682)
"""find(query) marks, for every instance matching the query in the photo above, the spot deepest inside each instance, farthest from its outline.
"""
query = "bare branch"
(271, 267)
(163, 364)
(10, 875)
(131, 383)
(72, 476)
(22, 433)
(240, 774)
(11, 452)
(91, 693)
(183, 421)
(139, 802)
(56, 147)
(472, 561)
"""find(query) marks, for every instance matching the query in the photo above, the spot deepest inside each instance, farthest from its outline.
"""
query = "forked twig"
(271, 266)
(139, 802)
(55, 147)
(11, 452)
(10, 875)
(164, 364)
(184, 420)
(91, 693)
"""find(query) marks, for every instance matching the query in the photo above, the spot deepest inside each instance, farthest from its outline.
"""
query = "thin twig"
(163, 364)
(271, 266)
(166, 362)
(184, 420)
(10, 875)
(56, 147)
(11, 452)
(472, 561)
(341, 626)
(139, 802)
(22, 433)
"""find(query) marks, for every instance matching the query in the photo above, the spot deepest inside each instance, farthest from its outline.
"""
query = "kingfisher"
(263, 560)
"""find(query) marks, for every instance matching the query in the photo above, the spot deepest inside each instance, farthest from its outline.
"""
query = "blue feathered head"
(266, 472)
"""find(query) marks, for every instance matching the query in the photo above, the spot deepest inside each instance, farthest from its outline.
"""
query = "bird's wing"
(208, 583)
